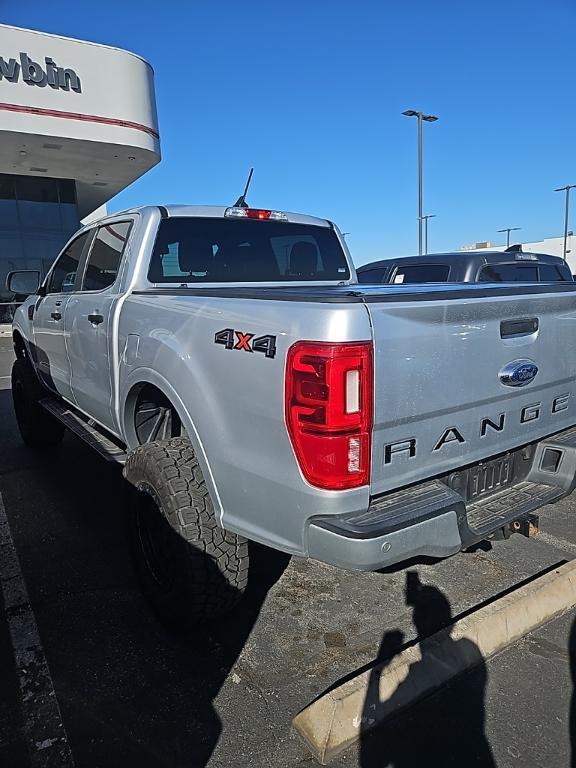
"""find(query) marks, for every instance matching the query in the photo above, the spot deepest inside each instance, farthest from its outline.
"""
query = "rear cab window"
(421, 273)
(215, 250)
(523, 272)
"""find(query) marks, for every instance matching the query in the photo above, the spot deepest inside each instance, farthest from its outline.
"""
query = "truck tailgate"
(440, 402)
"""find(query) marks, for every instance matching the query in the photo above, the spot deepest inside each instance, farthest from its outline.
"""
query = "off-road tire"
(190, 569)
(39, 430)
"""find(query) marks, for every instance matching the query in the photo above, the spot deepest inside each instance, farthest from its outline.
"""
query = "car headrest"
(243, 262)
(161, 247)
(194, 256)
(303, 258)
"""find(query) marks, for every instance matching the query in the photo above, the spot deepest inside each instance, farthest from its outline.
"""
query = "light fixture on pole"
(566, 189)
(429, 119)
(426, 217)
(508, 230)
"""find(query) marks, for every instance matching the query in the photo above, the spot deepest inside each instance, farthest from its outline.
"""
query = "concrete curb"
(338, 719)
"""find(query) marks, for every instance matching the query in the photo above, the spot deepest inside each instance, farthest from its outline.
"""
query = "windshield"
(198, 250)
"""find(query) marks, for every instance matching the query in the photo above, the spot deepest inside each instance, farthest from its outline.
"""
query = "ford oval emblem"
(518, 373)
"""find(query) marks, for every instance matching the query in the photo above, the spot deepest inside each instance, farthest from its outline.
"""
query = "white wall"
(115, 84)
(103, 132)
(554, 246)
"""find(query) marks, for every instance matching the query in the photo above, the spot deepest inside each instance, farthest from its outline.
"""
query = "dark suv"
(467, 267)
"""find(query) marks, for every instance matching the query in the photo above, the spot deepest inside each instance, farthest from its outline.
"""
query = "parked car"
(467, 267)
(254, 390)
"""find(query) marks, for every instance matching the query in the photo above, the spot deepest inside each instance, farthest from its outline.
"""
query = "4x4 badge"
(232, 339)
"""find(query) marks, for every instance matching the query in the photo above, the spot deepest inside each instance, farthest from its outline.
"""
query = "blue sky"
(311, 94)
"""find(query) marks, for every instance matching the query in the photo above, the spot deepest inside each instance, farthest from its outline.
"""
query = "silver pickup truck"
(254, 390)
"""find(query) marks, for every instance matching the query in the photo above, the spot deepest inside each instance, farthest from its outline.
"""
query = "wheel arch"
(20, 345)
(148, 380)
(146, 393)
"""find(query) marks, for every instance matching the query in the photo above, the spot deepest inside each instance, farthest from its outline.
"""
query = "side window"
(422, 273)
(105, 256)
(64, 273)
(551, 273)
(371, 276)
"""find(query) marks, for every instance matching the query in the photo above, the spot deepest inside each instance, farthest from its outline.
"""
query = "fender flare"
(18, 333)
(135, 380)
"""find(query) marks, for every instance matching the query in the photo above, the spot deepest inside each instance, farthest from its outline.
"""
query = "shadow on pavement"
(572, 716)
(131, 692)
(444, 730)
(13, 750)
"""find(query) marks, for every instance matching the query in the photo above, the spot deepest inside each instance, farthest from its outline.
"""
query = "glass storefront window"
(69, 218)
(8, 214)
(66, 191)
(36, 190)
(8, 211)
(37, 216)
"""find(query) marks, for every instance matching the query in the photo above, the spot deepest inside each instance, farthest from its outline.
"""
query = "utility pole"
(429, 119)
(426, 217)
(566, 189)
(508, 230)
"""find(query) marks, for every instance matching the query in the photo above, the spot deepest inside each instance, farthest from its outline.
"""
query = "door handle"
(524, 326)
(95, 318)
(55, 315)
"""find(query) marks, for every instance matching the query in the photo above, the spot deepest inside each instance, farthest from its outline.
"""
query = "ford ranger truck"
(253, 390)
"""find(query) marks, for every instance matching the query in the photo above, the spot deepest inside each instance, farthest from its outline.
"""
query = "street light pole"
(420, 183)
(429, 119)
(428, 216)
(566, 189)
(508, 230)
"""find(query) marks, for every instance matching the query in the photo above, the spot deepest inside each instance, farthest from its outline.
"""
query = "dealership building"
(78, 123)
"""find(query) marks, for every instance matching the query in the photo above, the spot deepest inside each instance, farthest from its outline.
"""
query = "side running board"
(86, 429)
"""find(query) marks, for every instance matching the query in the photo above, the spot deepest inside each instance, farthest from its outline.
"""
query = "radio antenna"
(241, 202)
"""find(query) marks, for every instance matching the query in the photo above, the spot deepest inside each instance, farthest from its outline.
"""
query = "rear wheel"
(191, 570)
(37, 427)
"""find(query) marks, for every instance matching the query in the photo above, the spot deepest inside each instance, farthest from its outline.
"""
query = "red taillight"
(257, 213)
(329, 411)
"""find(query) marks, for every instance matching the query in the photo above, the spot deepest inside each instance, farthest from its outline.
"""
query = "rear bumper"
(433, 520)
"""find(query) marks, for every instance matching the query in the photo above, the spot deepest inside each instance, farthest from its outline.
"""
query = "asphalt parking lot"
(132, 694)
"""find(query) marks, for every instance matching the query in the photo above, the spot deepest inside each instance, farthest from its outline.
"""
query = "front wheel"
(191, 570)
(39, 430)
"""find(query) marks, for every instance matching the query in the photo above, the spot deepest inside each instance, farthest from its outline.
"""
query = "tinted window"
(38, 216)
(509, 273)
(67, 191)
(371, 276)
(64, 272)
(105, 256)
(552, 272)
(422, 273)
(36, 190)
(195, 250)
(8, 205)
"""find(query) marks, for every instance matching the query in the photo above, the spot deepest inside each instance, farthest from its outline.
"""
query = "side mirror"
(24, 282)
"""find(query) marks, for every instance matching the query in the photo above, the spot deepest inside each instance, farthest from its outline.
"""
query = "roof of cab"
(486, 257)
(209, 212)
